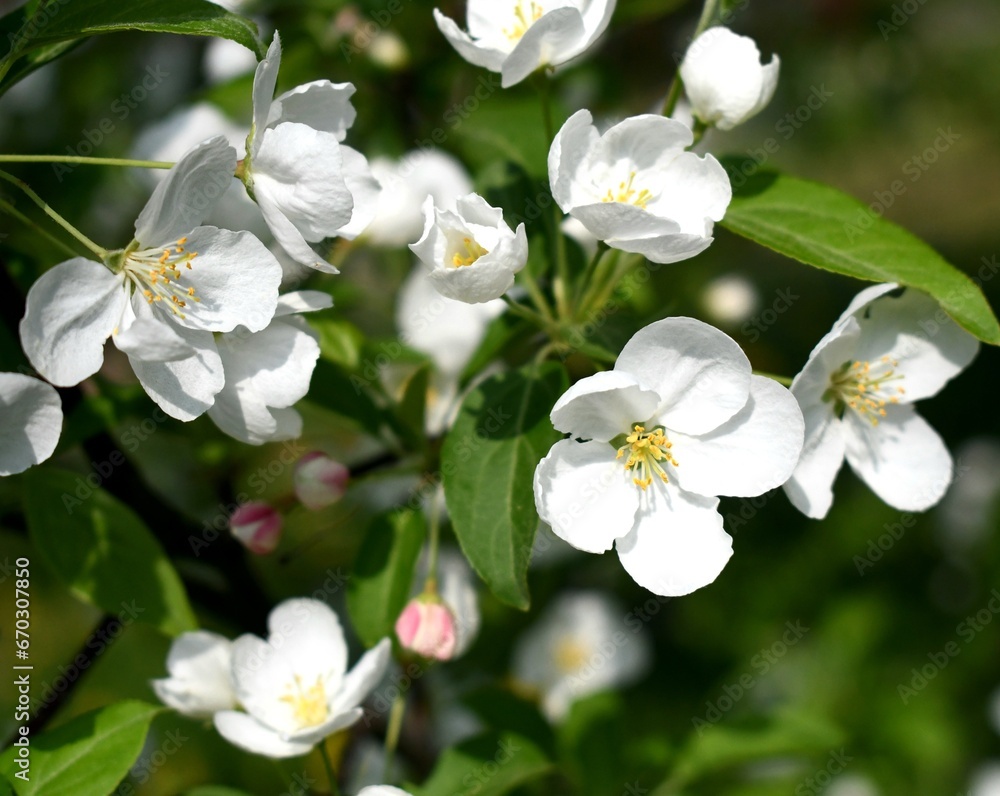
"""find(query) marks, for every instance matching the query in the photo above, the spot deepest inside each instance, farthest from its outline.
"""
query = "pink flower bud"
(319, 480)
(257, 526)
(427, 627)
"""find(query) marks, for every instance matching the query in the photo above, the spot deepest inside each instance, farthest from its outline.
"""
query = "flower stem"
(81, 161)
(331, 772)
(588, 274)
(780, 379)
(99, 251)
(434, 534)
(708, 12)
(535, 292)
(9, 209)
(529, 315)
(561, 286)
(393, 731)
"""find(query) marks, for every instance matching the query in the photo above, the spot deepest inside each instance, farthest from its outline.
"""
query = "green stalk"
(144, 164)
(708, 12)
(10, 210)
(98, 250)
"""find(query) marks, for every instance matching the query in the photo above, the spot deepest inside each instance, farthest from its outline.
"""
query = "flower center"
(628, 194)
(309, 705)
(157, 274)
(866, 388)
(570, 655)
(646, 449)
(473, 251)
(523, 19)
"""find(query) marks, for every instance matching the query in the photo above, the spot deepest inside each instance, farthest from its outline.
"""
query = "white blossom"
(295, 687)
(308, 184)
(30, 422)
(725, 80)
(269, 371)
(162, 298)
(472, 253)
(579, 647)
(679, 420)
(199, 684)
(518, 37)
(857, 392)
(636, 188)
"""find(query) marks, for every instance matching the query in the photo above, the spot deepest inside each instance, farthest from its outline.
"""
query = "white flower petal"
(199, 684)
(754, 451)
(647, 142)
(365, 191)
(145, 336)
(180, 202)
(547, 41)
(665, 249)
(575, 139)
(473, 52)
(308, 635)
(585, 495)
(321, 105)
(72, 309)
(699, 191)
(367, 673)
(930, 347)
(301, 171)
(810, 487)
(700, 373)
(337, 722)
(265, 80)
(902, 459)
(261, 676)
(289, 237)
(866, 297)
(302, 301)
(613, 222)
(269, 369)
(604, 405)
(184, 388)
(724, 79)
(251, 735)
(677, 544)
(32, 422)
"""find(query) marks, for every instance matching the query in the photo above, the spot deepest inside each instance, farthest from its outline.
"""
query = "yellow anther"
(523, 19)
(862, 388)
(629, 195)
(646, 451)
(473, 251)
(309, 705)
(156, 273)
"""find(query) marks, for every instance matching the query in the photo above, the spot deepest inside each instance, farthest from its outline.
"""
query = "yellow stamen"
(646, 451)
(629, 195)
(473, 251)
(866, 389)
(523, 19)
(157, 272)
(309, 705)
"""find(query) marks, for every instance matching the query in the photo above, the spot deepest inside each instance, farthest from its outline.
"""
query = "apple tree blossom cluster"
(492, 412)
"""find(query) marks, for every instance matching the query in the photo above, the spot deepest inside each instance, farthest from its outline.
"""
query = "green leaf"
(87, 756)
(63, 21)
(103, 552)
(500, 333)
(488, 462)
(820, 226)
(488, 765)
(216, 790)
(347, 394)
(339, 341)
(383, 573)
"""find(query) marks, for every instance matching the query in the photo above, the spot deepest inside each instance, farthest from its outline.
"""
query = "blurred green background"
(894, 80)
